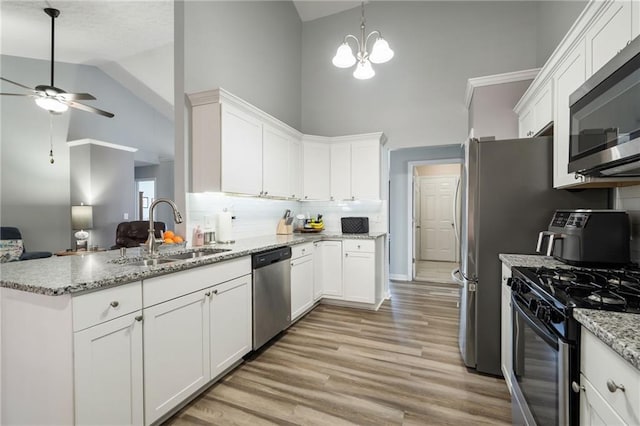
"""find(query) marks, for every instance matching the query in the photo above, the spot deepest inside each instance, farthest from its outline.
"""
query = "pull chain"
(51, 160)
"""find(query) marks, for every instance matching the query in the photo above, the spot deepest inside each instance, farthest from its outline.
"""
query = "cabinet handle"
(305, 197)
(346, 255)
(612, 386)
(215, 291)
(114, 304)
(303, 250)
(266, 192)
(358, 246)
(576, 387)
(331, 198)
(293, 195)
(208, 294)
(576, 176)
(138, 318)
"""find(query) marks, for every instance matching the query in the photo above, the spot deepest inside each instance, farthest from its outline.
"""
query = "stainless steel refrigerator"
(507, 198)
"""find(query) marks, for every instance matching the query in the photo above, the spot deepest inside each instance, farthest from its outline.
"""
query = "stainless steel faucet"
(152, 242)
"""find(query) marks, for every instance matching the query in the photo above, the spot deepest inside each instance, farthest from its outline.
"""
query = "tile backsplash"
(259, 216)
(628, 198)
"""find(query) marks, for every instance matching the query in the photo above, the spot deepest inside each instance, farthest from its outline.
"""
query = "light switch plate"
(126, 216)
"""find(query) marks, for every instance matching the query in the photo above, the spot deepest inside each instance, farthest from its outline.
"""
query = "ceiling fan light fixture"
(52, 105)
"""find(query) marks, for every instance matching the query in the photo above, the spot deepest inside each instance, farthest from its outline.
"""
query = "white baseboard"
(399, 277)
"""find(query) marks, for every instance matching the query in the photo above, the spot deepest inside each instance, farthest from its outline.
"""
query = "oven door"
(541, 371)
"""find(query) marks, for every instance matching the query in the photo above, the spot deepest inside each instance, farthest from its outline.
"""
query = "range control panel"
(570, 220)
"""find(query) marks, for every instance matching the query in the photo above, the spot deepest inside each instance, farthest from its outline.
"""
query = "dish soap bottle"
(198, 237)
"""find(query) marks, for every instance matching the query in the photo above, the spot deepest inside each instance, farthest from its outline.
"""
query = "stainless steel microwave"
(605, 119)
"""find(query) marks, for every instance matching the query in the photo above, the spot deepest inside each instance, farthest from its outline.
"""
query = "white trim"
(101, 143)
(490, 80)
(410, 236)
(398, 277)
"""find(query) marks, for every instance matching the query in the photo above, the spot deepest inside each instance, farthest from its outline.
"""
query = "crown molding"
(101, 143)
(490, 80)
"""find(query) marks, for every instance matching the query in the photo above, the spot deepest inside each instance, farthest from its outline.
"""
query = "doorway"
(145, 194)
(435, 220)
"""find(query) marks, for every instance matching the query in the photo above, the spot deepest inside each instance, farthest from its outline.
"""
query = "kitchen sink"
(153, 262)
(196, 254)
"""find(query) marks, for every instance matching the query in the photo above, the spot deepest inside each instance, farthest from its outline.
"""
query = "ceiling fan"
(51, 98)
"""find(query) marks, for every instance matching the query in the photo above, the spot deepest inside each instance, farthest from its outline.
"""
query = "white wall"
(250, 48)
(628, 198)
(164, 176)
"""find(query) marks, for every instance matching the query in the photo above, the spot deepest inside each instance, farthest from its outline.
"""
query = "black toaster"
(355, 225)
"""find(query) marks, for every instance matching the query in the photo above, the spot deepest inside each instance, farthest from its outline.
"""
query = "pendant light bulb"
(364, 71)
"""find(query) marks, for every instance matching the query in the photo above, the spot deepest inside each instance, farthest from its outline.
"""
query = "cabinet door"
(341, 171)
(332, 269)
(295, 168)
(543, 108)
(365, 170)
(609, 34)
(359, 271)
(569, 76)
(230, 323)
(275, 162)
(316, 169)
(108, 372)
(176, 352)
(241, 152)
(302, 274)
(506, 355)
(525, 123)
(318, 269)
(594, 410)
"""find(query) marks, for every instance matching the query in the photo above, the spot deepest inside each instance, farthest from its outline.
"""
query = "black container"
(355, 225)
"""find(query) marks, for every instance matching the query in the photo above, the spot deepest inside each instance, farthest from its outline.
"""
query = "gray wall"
(163, 174)
(106, 182)
(35, 195)
(554, 20)
(417, 98)
(491, 110)
(399, 198)
(252, 49)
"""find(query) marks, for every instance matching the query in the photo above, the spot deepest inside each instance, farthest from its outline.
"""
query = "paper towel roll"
(223, 227)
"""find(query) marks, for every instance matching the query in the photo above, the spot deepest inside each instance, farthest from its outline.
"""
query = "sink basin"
(196, 254)
(152, 262)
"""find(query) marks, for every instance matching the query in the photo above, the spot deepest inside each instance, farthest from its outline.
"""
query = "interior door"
(416, 225)
(438, 241)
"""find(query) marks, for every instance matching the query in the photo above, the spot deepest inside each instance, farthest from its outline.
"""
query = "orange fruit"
(169, 234)
(178, 239)
(168, 240)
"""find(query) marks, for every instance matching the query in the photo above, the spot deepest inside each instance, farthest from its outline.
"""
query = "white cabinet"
(302, 279)
(506, 325)
(609, 34)
(230, 323)
(316, 169)
(538, 114)
(275, 162)
(525, 123)
(295, 168)
(340, 182)
(365, 170)
(359, 269)
(569, 76)
(108, 372)
(317, 271)
(241, 152)
(602, 399)
(331, 269)
(176, 352)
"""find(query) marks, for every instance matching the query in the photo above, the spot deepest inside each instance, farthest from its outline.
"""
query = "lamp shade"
(381, 52)
(81, 217)
(344, 57)
(364, 71)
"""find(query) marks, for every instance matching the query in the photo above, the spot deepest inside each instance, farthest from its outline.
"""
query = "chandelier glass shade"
(380, 52)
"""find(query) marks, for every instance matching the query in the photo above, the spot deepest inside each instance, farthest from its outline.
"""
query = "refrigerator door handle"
(455, 210)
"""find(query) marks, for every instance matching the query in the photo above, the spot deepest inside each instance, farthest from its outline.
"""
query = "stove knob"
(533, 305)
(543, 313)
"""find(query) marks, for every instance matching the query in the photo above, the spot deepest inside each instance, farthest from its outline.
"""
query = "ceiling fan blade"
(77, 97)
(14, 94)
(17, 84)
(88, 108)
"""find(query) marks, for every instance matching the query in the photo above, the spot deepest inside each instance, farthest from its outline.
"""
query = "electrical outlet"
(126, 216)
(208, 221)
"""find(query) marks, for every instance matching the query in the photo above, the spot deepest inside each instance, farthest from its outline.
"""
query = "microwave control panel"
(569, 220)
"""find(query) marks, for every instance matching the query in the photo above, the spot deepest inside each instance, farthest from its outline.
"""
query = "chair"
(134, 233)
(12, 247)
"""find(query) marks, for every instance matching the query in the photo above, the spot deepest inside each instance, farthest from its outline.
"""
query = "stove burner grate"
(607, 298)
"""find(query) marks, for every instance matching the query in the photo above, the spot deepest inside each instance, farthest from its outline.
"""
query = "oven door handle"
(538, 326)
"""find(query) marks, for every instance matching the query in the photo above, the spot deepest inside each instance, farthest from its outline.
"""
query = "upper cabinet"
(237, 148)
(600, 32)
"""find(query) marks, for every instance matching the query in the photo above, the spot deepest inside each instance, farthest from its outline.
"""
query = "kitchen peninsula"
(72, 327)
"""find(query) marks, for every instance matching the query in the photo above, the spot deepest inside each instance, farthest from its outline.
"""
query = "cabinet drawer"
(104, 305)
(364, 246)
(301, 250)
(594, 355)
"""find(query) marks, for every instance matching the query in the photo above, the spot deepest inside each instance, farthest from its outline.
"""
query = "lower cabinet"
(108, 372)
(317, 271)
(594, 409)
(176, 352)
(506, 328)
(358, 273)
(331, 276)
(302, 291)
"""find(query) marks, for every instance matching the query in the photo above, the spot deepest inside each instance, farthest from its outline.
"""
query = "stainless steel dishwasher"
(271, 294)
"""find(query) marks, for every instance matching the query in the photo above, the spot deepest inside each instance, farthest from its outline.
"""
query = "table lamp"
(81, 219)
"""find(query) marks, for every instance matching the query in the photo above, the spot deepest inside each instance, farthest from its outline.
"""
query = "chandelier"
(380, 52)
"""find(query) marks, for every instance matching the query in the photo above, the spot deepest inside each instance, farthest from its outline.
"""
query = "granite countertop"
(532, 260)
(619, 330)
(73, 274)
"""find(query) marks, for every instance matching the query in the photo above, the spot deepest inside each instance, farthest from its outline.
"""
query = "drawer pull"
(114, 304)
(139, 318)
(612, 386)
(576, 387)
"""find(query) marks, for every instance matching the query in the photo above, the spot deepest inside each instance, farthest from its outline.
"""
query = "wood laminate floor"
(338, 366)
(434, 272)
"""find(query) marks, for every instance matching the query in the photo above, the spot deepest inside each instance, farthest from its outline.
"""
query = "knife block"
(283, 228)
